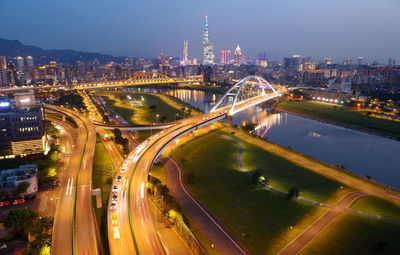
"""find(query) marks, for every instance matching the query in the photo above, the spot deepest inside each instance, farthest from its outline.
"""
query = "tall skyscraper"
(208, 51)
(360, 60)
(238, 59)
(29, 60)
(225, 57)
(20, 64)
(185, 58)
(3, 72)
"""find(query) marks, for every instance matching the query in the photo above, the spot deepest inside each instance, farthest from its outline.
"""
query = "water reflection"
(362, 153)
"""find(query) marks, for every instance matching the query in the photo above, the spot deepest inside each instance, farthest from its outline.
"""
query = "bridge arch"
(246, 93)
(149, 76)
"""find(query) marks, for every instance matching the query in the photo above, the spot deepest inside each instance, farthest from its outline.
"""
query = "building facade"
(22, 128)
(11, 178)
(208, 50)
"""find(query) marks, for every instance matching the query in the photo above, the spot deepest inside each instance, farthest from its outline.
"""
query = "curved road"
(75, 195)
(223, 242)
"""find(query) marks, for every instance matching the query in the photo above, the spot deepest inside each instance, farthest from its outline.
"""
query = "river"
(362, 153)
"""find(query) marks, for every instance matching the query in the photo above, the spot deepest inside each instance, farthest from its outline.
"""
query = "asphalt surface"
(319, 225)
(222, 241)
(79, 169)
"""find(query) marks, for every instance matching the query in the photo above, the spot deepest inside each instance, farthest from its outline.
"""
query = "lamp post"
(287, 233)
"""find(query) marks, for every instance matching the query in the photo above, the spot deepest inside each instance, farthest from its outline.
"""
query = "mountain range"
(14, 48)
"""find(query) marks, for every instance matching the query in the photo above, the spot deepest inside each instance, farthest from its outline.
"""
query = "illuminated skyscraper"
(3, 72)
(208, 52)
(20, 64)
(29, 60)
(238, 56)
(225, 57)
(185, 58)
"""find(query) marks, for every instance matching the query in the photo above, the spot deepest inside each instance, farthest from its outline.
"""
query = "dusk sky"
(317, 28)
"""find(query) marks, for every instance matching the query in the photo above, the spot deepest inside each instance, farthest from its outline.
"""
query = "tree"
(152, 107)
(22, 220)
(255, 177)
(22, 188)
(368, 177)
(293, 192)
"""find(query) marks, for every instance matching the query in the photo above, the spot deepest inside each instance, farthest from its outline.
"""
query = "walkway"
(223, 242)
(311, 232)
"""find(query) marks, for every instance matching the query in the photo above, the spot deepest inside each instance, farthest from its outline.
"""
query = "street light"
(287, 233)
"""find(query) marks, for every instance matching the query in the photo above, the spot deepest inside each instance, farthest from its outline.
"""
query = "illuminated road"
(132, 194)
(76, 191)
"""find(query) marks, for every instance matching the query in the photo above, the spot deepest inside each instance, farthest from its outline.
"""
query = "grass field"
(258, 218)
(143, 114)
(103, 171)
(341, 114)
(284, 175)
(354, 234)
(377, 206)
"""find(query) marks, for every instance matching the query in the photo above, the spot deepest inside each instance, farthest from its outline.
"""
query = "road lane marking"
(69, 180)
(70, 189)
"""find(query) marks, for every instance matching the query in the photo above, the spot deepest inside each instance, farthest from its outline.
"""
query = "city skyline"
(280, 30)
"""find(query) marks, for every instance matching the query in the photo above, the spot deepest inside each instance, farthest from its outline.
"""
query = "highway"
(144, 237)
(77, 235)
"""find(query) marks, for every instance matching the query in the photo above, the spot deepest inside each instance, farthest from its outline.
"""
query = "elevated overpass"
(133, 203)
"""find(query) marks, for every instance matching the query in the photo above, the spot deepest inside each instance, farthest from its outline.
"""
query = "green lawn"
(143, 114)
(341, 114)
(284, 175)
(354, 234)
(258, 218)
(103, 172)
(377, 206)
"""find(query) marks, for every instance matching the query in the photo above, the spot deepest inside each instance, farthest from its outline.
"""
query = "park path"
(319, 225)
(307, 163)
(219, 237)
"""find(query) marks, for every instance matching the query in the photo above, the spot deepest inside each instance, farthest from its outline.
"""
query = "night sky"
(317, 28)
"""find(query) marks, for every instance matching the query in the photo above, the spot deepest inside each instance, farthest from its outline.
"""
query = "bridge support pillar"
(63, 118)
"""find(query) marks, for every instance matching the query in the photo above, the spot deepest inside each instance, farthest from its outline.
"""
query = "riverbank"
(324, 114)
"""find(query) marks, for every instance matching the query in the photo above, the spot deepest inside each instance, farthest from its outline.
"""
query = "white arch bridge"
(249, 91)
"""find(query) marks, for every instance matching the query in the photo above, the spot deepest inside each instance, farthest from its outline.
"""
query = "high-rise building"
(29, 60)
(348, 61)
(22, 125)
(225, 57)
(328, 61)
(238, 59)
(20, 64)
(360, 60)
(185, 57)
(208, 51)
(3, 72)
(12, 75)
(262, 56)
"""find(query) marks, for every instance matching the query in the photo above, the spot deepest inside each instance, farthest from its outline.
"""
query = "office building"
(225, 57)
(3, 72)
(328, 61)
(21, 125)
(20, 64)
(29, 61)
(360, 60)
(12, 75)
(208, 50)
(11, 178)
(237, 56)
(185, 57)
